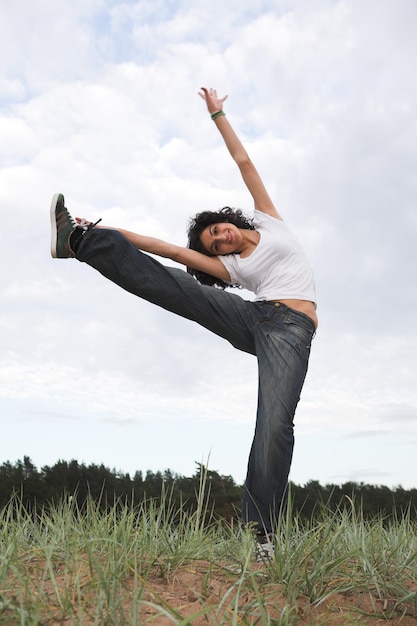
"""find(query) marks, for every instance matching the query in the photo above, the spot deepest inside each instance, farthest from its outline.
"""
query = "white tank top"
(278, 268)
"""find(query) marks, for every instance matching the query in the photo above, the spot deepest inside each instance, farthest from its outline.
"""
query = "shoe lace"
(85, 225)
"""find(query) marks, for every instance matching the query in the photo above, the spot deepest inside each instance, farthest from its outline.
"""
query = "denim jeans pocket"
(301, 333)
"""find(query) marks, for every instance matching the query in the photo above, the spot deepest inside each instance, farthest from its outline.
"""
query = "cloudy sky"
(98, 100)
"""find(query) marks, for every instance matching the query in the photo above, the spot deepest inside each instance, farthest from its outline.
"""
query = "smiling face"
(221, 238)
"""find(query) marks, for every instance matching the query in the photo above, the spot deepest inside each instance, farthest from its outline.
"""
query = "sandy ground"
(197, 594)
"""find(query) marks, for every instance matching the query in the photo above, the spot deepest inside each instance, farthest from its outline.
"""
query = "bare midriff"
(304, 306)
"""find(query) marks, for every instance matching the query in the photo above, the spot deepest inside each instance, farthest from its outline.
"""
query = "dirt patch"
(198, 593)
(189, 592)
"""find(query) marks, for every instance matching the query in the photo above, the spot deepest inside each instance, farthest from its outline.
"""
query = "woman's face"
(221, 238)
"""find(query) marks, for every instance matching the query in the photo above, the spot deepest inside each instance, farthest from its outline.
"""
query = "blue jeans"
(278, 336)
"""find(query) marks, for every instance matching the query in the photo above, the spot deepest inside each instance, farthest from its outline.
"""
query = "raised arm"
(247, 169)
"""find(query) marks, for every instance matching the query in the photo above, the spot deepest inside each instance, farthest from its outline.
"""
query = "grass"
(155, 564)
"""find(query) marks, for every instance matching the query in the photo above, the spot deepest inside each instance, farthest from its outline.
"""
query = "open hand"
(214, 103)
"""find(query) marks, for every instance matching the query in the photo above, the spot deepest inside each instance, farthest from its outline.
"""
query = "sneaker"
(62, 227)
(264, 551)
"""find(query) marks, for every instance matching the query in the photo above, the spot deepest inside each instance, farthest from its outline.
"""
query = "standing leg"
(283, 341)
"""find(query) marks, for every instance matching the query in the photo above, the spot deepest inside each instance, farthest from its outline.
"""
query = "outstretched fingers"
(214, 103)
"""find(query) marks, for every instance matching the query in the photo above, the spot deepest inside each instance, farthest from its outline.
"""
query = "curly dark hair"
(196, 227)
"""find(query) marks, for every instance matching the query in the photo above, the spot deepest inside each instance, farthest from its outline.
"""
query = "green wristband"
(217, 114)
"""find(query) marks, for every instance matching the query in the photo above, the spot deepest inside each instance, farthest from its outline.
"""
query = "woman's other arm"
(247, 169)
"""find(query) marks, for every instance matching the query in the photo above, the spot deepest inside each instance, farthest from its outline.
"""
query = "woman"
(225, 248)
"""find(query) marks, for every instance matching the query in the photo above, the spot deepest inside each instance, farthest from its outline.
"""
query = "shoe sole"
(54, 231)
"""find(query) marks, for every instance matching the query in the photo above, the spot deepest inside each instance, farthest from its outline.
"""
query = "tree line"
(39, 488)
